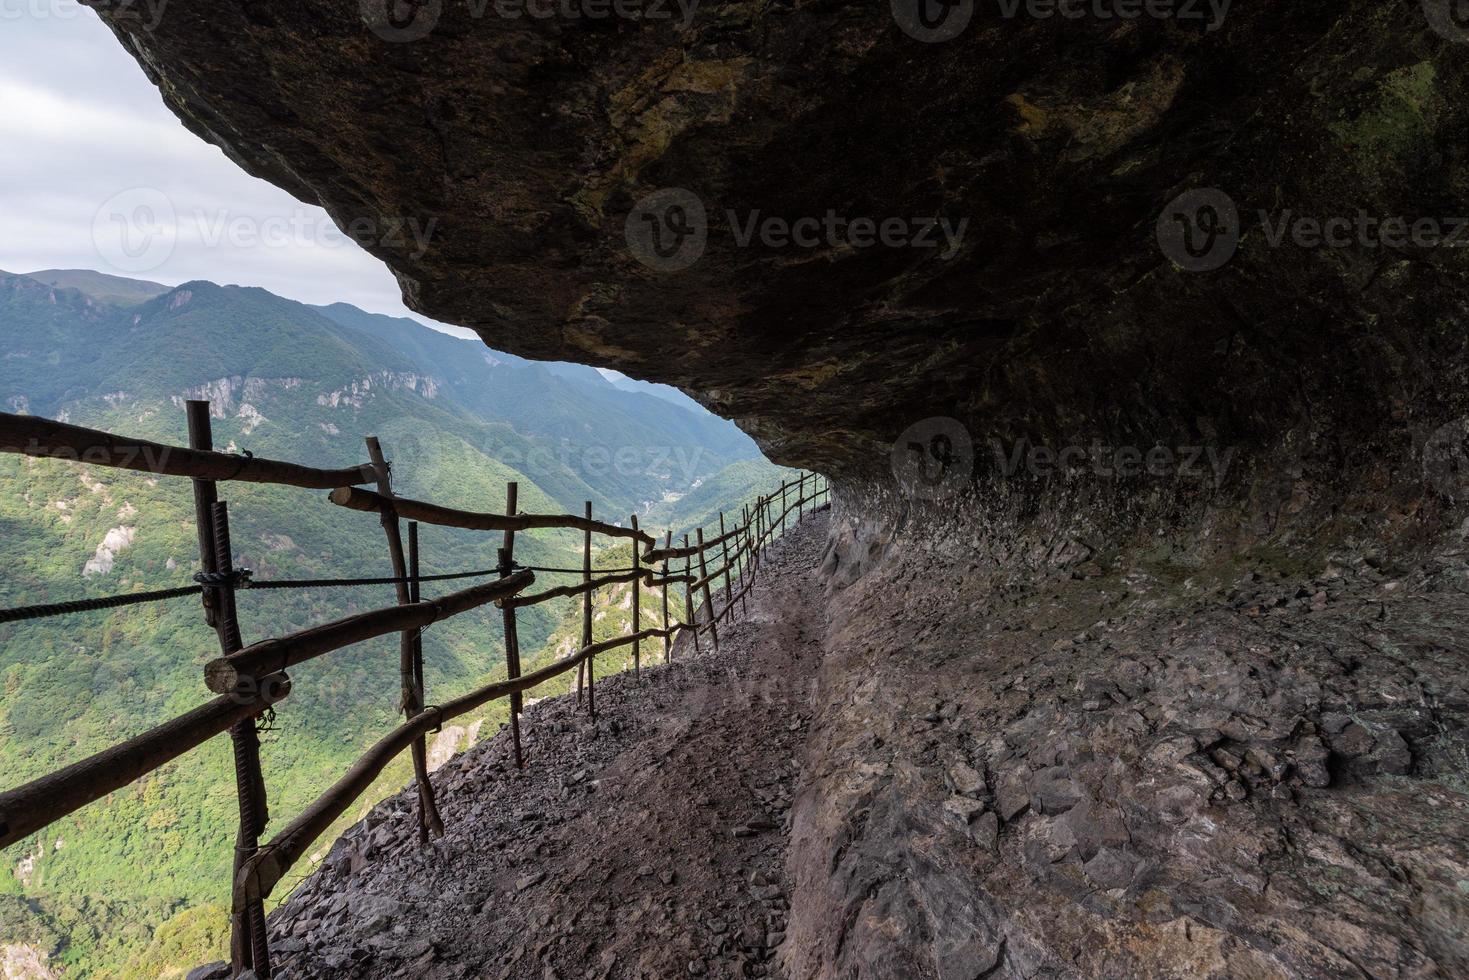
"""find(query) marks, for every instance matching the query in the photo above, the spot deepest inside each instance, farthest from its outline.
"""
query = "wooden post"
(724, 553)
(249, 941)
(412, 696)
(754, 533)
(415, 594)
(747, 578)
(767, 530)
(708, 596)
(201, 437)
(759, 534)
(690, 610)
(637, 646)
(512, 635)
(586, 616)
(667, 639)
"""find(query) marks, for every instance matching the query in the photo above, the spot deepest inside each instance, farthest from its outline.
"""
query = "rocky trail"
(1074, 763)
(650, 843)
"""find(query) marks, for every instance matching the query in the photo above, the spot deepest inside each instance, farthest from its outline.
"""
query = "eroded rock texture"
(1133, 763)
(527, 142)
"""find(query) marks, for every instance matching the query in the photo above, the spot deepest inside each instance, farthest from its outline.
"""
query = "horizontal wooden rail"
(775, 522)
(666, 554)
(263, 872)
(692, 551)
(225, 674)
(719, 572)
(45, 438)
(356, 498)
(567, 591)
(26, 809)
(668, 580)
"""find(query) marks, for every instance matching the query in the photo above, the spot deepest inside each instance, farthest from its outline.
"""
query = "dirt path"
(649, 845)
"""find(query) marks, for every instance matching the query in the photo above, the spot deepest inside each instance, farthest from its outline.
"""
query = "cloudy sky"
(96, 174)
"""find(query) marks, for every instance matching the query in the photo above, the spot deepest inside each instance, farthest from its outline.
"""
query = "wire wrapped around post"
(667, 634)
(691, 611)
(708, 596)
(429, 822)
(588, 667)
(746, 576)
(512, 633)
(249, 942)
(724, 557)
(637, 599)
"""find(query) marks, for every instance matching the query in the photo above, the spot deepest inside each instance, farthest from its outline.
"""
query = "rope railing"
(250, 680)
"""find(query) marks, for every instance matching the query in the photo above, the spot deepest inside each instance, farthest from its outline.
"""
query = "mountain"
(133, 886)
(666, 392)
(100, 286)
(623, 434)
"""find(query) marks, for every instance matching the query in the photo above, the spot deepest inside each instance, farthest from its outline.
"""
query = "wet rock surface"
(1128, 764)
(650, 843)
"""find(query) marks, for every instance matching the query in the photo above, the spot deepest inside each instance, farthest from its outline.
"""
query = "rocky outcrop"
(1066, 312)
(117, 539)
(356, 393)
(23, 961)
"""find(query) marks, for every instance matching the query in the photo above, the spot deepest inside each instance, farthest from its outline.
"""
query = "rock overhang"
(993, 228)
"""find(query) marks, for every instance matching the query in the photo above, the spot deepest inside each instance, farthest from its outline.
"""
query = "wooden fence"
(249, 680)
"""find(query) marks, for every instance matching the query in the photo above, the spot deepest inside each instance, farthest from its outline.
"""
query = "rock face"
(494, 159)
(1134, 763)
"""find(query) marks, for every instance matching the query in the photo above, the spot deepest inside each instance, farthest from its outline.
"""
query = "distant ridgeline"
(121, 889)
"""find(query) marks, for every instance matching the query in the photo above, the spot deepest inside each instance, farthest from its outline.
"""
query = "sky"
(95, 173)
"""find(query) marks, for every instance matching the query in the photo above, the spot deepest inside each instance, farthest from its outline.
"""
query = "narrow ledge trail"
(649, 845)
